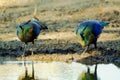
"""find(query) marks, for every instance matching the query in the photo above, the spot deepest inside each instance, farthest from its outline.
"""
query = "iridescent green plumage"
(29, 31)
(89, 31)
(25, 33)
(86, 38)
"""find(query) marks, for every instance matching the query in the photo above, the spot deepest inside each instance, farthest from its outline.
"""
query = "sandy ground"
(59, 42)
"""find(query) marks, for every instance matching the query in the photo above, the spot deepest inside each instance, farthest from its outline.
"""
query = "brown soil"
(59, 42)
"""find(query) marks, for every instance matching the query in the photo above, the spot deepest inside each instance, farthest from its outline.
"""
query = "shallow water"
(15, 70)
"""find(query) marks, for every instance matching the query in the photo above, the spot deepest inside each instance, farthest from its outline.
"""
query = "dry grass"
(8, 3)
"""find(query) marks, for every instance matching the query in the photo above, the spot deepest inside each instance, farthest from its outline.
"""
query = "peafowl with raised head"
(89, 31)
(29, 31)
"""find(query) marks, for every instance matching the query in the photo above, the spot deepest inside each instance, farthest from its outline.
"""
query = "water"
(17, 70)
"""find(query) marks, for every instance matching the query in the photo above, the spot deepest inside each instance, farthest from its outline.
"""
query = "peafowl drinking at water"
(89, 31)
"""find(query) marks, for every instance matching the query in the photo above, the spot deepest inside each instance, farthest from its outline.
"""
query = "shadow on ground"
(107, 51)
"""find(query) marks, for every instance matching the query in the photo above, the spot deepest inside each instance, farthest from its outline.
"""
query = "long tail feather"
(35, 13)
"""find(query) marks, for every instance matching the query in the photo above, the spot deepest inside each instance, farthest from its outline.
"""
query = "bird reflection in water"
(89, 76)
(27, 76)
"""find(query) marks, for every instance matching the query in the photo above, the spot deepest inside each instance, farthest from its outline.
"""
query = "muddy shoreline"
(60, 50)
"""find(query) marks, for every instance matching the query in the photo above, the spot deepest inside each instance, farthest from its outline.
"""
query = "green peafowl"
(29, 31)
(89, 31)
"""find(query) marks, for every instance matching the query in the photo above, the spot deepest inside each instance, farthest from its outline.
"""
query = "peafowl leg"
(85, 49)
(33, 75)
(95, 72)
(96, 47)
(24, 50)
(32, 47)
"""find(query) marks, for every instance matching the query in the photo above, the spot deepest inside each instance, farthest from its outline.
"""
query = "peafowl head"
(104, 23)
(43, 26)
